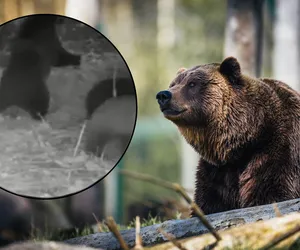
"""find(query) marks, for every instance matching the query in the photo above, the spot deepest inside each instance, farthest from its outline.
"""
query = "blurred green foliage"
(199, 39)
(156, 156)
(199, 33)
(201, 24)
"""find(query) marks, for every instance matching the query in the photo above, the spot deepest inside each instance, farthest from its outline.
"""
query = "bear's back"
(290, 111)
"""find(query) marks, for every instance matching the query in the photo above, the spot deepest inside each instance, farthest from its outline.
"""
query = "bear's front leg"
(216, 188)
(266, 181)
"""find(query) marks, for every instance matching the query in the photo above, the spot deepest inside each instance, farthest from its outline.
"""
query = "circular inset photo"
(68, 106)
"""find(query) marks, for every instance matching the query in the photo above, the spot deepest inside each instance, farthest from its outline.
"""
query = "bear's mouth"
(168, 112)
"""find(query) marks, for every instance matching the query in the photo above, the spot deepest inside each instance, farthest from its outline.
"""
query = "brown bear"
(34, 50)
(110, 118)
(246, 131)
(23, 83)
(41, 29)
(104, 90)
(113, 121)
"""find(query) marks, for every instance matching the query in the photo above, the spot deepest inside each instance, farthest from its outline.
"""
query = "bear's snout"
(163, 97)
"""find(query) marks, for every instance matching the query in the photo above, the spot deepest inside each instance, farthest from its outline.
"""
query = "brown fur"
(246, 130)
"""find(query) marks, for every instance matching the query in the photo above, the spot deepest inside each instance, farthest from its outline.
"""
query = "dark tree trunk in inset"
(243, 36)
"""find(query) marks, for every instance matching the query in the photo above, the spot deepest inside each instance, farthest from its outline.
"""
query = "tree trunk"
(85, 11)
(243, 34)
(286, 43)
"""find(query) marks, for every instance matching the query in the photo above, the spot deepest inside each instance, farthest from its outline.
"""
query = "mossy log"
(258, 235)
(46, 245)
(188, 227)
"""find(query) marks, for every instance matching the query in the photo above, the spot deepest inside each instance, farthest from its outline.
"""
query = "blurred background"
(156, 37)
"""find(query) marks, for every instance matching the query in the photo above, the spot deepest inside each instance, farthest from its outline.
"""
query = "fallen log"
(46, 245)
(280, 233)
(188, 227)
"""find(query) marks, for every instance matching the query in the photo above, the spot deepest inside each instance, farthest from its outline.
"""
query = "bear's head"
(37, 25)
(215, 107)
(198, 95)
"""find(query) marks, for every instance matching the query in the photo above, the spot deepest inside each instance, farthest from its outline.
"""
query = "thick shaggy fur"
(23, 83)
(104, 91)
(246, 130)
(34, 50)
(41, 29)
(114, 120)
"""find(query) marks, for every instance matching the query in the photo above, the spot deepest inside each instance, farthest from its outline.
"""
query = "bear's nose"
(163, 97)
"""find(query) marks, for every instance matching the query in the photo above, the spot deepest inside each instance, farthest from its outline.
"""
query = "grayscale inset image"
(67, 106)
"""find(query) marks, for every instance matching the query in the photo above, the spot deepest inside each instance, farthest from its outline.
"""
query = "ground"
(37, 158)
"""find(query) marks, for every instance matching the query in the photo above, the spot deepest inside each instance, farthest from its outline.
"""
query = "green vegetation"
(100, 227)
(199, 32)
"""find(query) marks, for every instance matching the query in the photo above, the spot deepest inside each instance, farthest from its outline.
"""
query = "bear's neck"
(217, 145)
(205, 146)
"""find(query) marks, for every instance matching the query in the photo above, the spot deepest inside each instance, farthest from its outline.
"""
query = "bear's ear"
(231, 68)
(180, 71)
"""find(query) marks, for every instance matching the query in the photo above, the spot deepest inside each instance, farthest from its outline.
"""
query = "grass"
(37, 235)
(38, 160)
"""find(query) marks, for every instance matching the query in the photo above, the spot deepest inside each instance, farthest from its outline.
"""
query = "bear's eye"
(192, 84)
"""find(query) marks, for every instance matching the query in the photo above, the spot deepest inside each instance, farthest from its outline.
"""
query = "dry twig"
(99, 224)
(112, 226)
(138, 238)
(276, 210)
(79, 138)
(115, 94)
